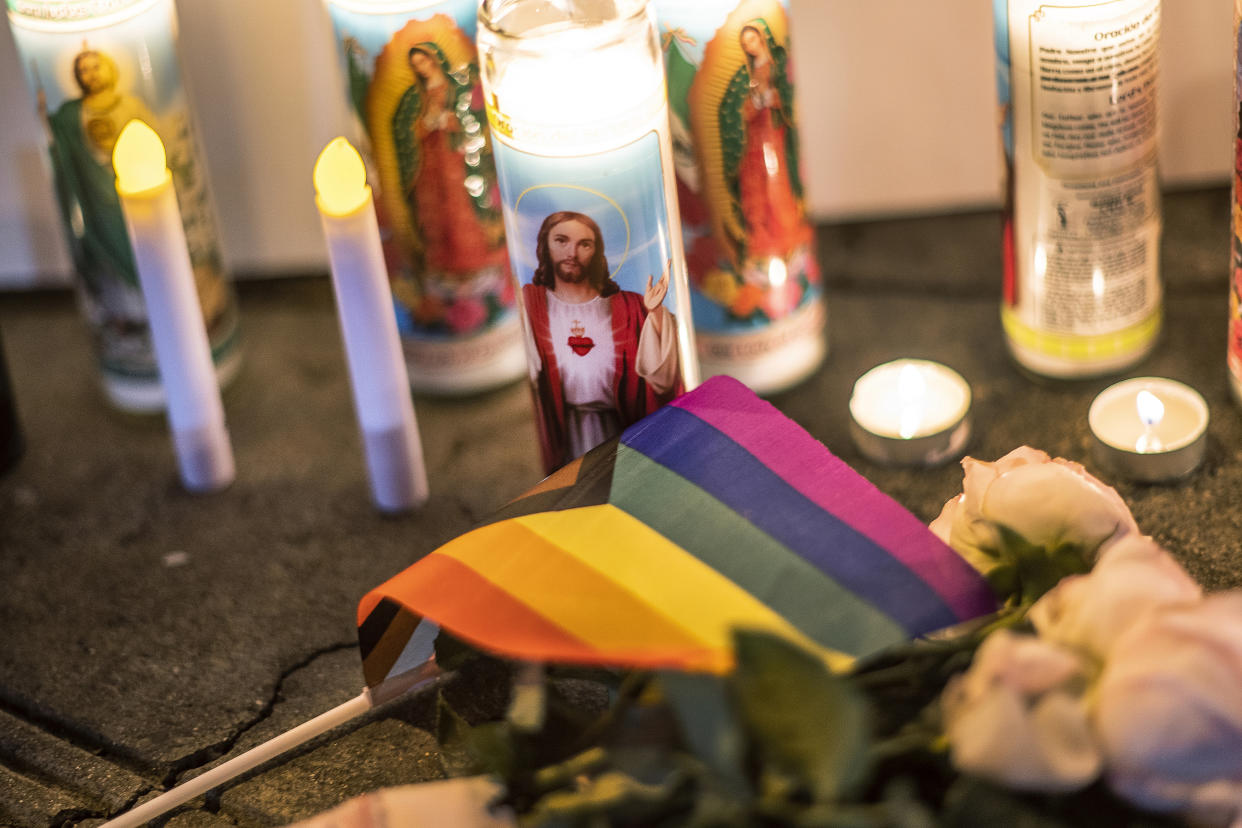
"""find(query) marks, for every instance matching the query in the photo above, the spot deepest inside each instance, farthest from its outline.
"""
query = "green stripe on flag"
(767, 569)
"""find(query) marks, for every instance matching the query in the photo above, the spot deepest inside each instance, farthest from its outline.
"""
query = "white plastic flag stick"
(364, 701)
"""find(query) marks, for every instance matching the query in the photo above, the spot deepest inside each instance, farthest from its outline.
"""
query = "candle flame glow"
(139, 158)
(1150, 408)
(340, 178)
(911, 391)
(777, 272)
(1150, 412)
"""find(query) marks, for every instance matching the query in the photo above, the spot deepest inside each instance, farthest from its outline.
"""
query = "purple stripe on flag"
(821, 477)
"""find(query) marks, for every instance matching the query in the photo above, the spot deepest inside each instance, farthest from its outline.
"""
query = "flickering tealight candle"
(911, 412)
(394, 453)
(1149, 429)
(162, 259)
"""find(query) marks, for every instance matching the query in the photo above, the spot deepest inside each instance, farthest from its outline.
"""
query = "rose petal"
(1169, 702)
(1050, 505)
(1133, 576)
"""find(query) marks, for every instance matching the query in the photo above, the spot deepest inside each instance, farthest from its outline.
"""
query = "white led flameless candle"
(162, 259)
(911, 412)
(377, 372)
(1149, 429)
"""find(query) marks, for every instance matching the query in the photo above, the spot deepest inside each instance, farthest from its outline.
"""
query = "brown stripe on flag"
(384, 654)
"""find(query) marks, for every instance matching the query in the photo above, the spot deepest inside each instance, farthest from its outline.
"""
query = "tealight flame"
(1150, 408)
(911, 391)
(340, 178)
(1150, 412)
(139, 158)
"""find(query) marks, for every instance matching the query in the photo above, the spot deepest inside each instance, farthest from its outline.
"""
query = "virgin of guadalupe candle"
(413, 85)
(1077, 84)
(92, 66)
(758, 307)
(576, 101)
(1235, 270)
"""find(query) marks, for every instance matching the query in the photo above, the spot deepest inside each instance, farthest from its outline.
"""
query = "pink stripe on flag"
(824, 479)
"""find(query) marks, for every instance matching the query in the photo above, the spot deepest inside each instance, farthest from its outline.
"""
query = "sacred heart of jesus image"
(580, 344)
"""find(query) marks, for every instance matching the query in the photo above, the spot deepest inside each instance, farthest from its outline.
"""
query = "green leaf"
(1036, 569)
(609, 799)
(465, 750)
(809, 726)
(709, 725)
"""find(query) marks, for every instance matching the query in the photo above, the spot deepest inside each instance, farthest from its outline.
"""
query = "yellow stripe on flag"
(640, 560)
(588, 604)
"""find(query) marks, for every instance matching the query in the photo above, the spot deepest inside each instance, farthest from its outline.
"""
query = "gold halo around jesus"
(621, 212)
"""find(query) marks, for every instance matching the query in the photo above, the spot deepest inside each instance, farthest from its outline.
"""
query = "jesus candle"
(376, 371)
(162, 258)
(578, 110)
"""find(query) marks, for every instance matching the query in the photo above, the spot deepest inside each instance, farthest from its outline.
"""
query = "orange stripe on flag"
(457, 598)
(590, 604)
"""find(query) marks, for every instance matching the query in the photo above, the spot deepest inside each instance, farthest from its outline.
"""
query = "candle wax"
(909, 398)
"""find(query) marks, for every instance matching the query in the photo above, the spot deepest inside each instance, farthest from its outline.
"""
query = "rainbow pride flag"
(713, 513)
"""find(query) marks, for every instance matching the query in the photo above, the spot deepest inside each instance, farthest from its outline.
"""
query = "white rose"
(1133, 576)
(1168, 709)
(1017, 716)
(1027, 520)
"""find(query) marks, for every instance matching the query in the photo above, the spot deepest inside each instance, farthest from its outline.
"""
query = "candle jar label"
(413, 85)
(758, 307)
(1235, 281)
(1077, 86)
(91, 70)
(589, 239)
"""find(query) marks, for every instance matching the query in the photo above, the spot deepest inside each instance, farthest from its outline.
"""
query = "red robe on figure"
(634, 397)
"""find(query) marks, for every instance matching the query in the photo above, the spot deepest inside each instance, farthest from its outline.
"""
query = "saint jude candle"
(758, 306)
(576, 100)
(1077, 82)
(92, 66)
(412, 79)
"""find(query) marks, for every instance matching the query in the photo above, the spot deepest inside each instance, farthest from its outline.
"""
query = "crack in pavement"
(205, 756)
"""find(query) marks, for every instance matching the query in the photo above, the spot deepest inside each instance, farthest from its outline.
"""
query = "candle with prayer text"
(576, 101)
(1077, 83)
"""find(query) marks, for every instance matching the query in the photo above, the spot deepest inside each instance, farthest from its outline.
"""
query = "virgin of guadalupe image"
(742, 109)
(601, 358)
(424, 115)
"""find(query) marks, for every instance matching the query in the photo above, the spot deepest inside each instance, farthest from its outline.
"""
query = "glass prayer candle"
(412, 79)
(92, 66)
(1077, 84)
(1234, 350)
(577, 104)
(758, 305)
